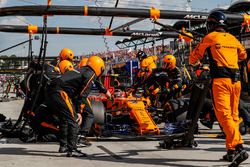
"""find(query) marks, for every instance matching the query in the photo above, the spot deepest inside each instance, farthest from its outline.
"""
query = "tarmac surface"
(113, 152)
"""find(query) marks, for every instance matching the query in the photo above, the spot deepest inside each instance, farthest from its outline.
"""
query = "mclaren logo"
(146, 34)
(195, 17)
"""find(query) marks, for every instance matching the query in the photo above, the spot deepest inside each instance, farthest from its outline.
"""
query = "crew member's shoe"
(240, 156)
(83, 142)
(229, 156)
(76, 153)
(63, 149)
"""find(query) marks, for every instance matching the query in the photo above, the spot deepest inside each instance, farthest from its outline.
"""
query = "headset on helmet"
(141, 55)
(216, 19)
(65, 66)
(96, 64)
(169, 61)
(83, 62)
(66, 54)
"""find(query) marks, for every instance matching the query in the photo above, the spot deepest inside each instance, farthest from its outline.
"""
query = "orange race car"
(126, 114)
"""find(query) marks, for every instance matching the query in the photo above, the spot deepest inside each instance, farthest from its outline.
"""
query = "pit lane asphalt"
(117, 153)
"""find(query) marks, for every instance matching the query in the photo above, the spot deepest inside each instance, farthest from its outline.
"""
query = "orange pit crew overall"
(224, 51)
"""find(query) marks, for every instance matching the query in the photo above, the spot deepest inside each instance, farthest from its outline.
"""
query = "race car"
(126, 114)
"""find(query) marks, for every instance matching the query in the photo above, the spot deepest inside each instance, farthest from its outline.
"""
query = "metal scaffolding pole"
(87, 31)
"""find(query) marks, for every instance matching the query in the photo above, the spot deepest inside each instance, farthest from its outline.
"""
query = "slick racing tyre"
(99, 112)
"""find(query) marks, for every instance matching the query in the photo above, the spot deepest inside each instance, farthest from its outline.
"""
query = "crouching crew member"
(73, 85)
